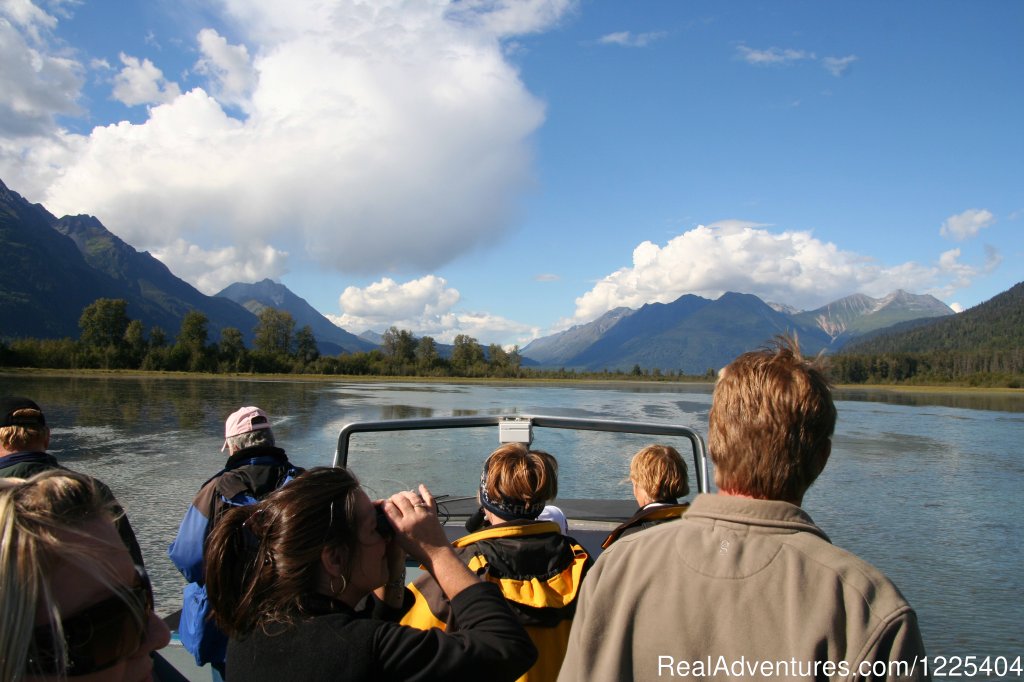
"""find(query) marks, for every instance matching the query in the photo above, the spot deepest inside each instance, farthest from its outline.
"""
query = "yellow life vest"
(540, 586)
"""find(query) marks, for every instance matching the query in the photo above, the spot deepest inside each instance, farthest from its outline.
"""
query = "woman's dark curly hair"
(262, 560)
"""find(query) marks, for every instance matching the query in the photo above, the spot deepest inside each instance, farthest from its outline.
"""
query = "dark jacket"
(28, 464)
(341, 644)
(647, 516)
(539, 572)
(249, 475)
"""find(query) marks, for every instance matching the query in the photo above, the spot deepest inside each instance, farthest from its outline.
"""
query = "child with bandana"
(537, 567)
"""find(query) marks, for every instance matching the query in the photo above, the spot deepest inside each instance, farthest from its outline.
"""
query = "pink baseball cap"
(244, 420)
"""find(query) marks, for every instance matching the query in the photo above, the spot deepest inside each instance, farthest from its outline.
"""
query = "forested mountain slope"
(995, 325)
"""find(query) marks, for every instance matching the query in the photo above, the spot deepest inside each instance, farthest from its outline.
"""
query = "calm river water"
(928, 487)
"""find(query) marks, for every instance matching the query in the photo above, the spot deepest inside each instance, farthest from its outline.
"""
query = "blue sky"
(507, 169)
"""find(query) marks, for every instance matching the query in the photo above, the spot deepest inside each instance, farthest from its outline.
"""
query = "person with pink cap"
(255, 468)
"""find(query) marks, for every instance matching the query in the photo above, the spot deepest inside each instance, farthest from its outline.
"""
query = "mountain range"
(54, 268)
(693, 334)
(994, 325)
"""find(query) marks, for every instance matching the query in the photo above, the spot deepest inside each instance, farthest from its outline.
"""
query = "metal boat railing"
(512, 428)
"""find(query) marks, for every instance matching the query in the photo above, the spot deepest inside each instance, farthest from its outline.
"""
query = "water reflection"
(405, 412)
(967, 400)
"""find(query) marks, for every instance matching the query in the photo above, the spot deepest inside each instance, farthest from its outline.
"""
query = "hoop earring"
(334, 590)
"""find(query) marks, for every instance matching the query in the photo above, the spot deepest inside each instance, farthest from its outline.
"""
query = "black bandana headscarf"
(507, 510)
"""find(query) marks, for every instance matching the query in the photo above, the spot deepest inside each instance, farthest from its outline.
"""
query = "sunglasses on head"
(97, 637)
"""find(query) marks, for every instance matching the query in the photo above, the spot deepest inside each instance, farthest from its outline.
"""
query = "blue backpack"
(197, 631)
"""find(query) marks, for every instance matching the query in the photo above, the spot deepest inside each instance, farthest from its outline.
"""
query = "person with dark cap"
(255, 468)
(24, 438)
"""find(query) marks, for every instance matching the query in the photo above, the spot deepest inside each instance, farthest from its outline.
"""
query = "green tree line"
(109, 339)
(990, 368)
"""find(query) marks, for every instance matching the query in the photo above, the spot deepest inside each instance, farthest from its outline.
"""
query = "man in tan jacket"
(745, 586)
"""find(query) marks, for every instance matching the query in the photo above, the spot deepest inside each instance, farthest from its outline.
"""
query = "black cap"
(11, 404)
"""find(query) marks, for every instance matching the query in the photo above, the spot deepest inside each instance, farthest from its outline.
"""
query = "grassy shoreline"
(541, 381)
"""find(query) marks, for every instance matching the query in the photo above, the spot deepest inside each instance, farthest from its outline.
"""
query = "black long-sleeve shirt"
(488, 643)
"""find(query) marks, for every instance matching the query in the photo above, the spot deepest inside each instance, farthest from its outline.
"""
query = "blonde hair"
(518, 474)
(37, 516)
(771, 423)
(659, 470)
(16, 438)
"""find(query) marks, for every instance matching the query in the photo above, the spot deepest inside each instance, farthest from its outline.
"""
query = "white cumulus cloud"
(212, 270)
(34, 86)
(141, 82)
(386, 136)
(28, 17)
(789, 267)
(428, 295)
(424, 306)
(967, 224)
(229, 67)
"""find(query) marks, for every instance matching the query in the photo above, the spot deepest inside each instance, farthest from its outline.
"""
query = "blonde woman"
(658, 475)
(73, 604)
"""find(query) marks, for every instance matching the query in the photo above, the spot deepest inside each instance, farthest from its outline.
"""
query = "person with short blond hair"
(538, 568)
(658, 475)
(23, 426)
(73, 603)
(24, 439)
(746, 576)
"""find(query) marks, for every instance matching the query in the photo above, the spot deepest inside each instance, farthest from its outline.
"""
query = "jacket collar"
(768, 514)
(22, 457)
(260, 454)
